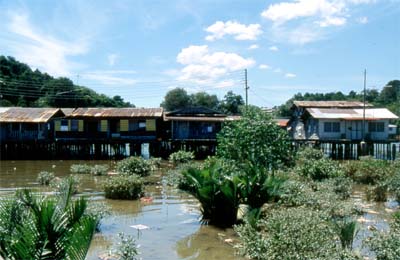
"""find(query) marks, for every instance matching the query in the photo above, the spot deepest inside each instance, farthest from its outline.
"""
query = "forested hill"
(21, 86)
(388, 96)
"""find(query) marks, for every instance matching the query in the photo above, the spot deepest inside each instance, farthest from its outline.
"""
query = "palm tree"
(38, 227)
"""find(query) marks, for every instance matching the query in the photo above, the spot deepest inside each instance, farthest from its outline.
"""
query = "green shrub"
(309, 153)
(386, 245)
(394, 184)
(126, 248)
(134, 165)
(123, 187)
(369, 170)
(64, 183)
(80, 168)
(99, 169)
(181, 157)
(320, 169)
(377, 192)
(341, 186)
(255, 139)
(291, 233)
(44, 178)
(155, 163)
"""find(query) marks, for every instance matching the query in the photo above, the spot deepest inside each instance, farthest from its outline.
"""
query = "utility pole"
(246, 87)
(365, 93)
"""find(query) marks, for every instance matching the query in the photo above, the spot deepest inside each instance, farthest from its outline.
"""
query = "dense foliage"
(21, 86)
(45, 178)
(37, 227)
(134, 165)
(80, 168)
(181, 157)
(254, 140)
(178, 98)
(123, 187)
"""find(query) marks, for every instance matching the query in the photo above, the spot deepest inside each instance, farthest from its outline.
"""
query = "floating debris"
(140, 227)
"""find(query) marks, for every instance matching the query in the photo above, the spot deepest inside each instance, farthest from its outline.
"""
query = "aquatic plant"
(133, 165)
(63, 183)
(308, 153)
(99, 169)
(80, 168)
(291, 233)
(37, 227)
(181, 157)
(128, 187)
(216, 192)
(44, 178)
(155, 163)
(319, 169)
(126, 248)
(346, 229)
(377, 192)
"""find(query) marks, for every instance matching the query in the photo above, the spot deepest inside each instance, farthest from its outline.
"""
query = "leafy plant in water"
(99, 169)
(134, 165)
(346, 229)
(377, 192)
(320, 169)
(48, 227)
(216, 192)
(181, 157)
(126, 248)
(123, 187)
(44, 178)
(80, 168)
(64, 183)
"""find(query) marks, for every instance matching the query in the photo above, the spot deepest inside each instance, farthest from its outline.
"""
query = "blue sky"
(141, 49)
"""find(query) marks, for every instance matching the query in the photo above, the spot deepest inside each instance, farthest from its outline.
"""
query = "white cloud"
(204, 67)
(362, 20)
(40, 50)
(253, 47)
(112, 58)
(290, 75)
(264, 67)
(240, 31)
(304, 21)
(324, 9)
(273, 48)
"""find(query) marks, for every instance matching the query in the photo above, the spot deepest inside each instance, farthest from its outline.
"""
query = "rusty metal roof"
(282, 122)
(117, 112)
(67, 111)
(331, 104)
(29, 115)
(351, 113)
(201, 118)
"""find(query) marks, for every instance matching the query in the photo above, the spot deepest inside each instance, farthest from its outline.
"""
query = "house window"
(74, 125)
(64, 125)
(376, 127)
(332, 127)
(137, 125)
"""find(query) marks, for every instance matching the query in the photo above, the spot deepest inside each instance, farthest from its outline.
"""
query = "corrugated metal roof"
(67, 111)
(331, 104)
(117, 112)
(351, 113)
(281, 121)
(201, 118)
(4, 109)
(28, 115)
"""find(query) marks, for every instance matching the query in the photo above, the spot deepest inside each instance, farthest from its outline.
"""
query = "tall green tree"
(203, 99)
(176, 99)
(231, 103)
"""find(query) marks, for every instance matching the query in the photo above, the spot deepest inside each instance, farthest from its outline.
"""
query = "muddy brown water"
(174, 232)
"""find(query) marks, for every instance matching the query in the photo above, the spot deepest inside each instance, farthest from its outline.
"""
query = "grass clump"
(123, 187)
(80, 168)
(181, 157)
(134, 165)
(99, 170)
(45, 178)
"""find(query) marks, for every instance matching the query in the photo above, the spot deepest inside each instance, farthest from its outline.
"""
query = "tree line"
(22, 86)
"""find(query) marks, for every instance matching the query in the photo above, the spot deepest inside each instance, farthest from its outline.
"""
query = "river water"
(172, 218)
